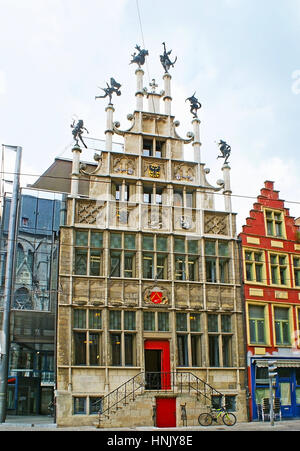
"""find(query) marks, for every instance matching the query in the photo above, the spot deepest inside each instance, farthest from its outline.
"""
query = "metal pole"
(271, 401)
(5, 338)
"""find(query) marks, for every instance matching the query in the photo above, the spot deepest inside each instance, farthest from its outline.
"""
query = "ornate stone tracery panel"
(90, 212)
(216, 224)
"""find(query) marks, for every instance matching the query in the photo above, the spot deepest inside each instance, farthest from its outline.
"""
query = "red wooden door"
(165, 412)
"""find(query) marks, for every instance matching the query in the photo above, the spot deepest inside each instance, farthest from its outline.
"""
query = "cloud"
(3, 83)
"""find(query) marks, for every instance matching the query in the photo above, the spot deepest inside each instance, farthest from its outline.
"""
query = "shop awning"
(281, 363)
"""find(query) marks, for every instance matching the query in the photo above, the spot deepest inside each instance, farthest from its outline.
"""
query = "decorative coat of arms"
(155, 295)
(154, 170)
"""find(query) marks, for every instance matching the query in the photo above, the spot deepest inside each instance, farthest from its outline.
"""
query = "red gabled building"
(271, 266)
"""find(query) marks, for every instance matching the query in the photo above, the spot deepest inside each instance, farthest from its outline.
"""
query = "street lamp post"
(5, 338)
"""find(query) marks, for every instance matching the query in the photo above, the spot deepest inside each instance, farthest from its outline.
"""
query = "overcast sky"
(242, 57)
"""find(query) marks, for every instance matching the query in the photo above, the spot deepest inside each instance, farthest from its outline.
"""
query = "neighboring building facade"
(33, 307)
(271, 259)
(149, 279)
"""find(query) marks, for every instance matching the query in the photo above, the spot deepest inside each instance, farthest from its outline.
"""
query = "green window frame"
(257, 324)
(275, 223)
(296, 266)
(282, 326)
(254, 265)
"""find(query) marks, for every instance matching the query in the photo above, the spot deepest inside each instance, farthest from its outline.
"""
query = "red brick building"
(271, 264)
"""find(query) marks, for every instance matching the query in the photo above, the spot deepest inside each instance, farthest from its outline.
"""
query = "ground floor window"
(83, 405)
(229, 402)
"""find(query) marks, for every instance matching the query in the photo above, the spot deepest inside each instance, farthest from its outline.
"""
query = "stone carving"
(156, 295)
(124, 165)
(184, 172)
(216, 224)
(153, 170)
(89, 212)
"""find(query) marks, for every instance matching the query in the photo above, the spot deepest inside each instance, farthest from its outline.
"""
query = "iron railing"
(176, 381)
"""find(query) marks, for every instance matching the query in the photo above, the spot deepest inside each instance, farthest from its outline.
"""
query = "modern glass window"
(219, 329)
(88, 253)
(275, 223)
(282, 326)
(87, 335)
(257, 324)
(254, 264)
(279, 269)
(217, 261)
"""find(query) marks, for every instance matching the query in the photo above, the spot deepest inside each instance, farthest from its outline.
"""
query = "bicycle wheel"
(205, 419)
(229, 419)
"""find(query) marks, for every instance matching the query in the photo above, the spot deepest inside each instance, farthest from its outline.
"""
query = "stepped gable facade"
(271, 264)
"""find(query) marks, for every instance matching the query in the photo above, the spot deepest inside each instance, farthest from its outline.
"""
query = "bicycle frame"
(215, 415)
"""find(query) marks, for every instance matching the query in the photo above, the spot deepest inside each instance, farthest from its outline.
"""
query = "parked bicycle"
(206, 419)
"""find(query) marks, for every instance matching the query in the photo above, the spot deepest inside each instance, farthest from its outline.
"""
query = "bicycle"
(206, 419)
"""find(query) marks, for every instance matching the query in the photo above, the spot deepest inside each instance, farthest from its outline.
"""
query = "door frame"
(164, 347)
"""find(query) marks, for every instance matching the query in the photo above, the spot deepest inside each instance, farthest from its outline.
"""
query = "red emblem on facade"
(156, 297)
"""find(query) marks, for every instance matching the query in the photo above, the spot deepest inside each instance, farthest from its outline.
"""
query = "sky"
(242, 57)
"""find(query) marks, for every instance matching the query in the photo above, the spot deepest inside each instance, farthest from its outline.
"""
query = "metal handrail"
(159, 381)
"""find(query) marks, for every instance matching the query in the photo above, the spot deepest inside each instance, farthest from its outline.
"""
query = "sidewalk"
(45, 423)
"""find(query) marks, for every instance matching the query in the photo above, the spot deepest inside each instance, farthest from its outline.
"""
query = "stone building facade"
(149, 282)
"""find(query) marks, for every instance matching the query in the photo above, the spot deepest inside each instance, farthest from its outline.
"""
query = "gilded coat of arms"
(154, 170)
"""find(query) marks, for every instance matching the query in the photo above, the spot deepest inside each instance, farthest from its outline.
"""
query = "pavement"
(46, 423)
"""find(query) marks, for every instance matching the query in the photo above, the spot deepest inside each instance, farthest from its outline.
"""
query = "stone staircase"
(133, 404)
